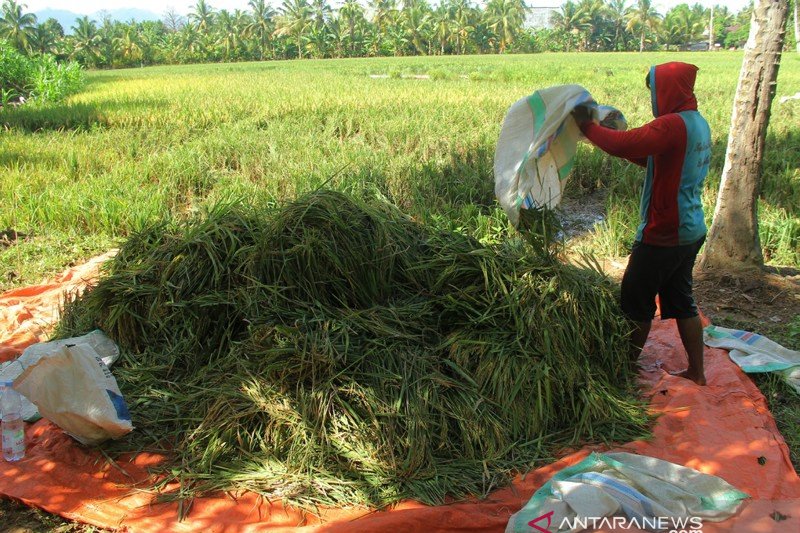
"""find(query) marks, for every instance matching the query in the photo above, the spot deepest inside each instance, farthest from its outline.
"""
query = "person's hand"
(582, 114)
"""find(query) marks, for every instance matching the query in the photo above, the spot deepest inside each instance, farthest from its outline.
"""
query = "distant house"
(700, 46)
(539, 15)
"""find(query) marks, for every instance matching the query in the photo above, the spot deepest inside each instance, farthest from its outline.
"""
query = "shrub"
(40, 78)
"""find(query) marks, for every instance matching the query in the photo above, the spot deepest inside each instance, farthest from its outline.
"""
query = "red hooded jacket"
(675, 148)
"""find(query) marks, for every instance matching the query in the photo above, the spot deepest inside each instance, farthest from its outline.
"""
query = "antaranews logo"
(535, 522)
(668, 524)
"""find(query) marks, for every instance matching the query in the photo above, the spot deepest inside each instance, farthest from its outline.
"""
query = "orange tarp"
(723, 429)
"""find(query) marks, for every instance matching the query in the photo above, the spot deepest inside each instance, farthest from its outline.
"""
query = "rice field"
(135, 145)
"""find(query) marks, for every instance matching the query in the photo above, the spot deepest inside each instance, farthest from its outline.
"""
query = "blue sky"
(184, 6)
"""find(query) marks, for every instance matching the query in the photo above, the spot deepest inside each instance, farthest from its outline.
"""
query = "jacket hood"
(672, 88)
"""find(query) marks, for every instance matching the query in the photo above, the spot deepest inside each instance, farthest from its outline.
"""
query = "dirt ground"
(765, 302)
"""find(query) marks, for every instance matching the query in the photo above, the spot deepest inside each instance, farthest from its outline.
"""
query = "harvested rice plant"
(331, 350)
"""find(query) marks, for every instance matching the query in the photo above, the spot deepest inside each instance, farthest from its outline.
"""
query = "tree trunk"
(711, 30)
(641, 42)
(733, 239)
(796, 28)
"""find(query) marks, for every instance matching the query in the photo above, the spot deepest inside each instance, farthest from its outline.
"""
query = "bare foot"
(700, 380)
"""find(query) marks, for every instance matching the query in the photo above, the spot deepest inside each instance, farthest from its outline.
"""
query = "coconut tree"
(321, 11)
(383, 13)
(295, 17)
(351, 13)
(671, 30)
(617, 13)
(442, 24)
(595, 19)
(506, 18)
(461, 12)
(644, 17)
(46, 37)
(690, 21)
(127, 46)
(570, 19)
(86, 41)
(190, 43)
(229, 28)
(415, 18)
(17, 27)
(733, 241)
(262, 24)
(202, 16)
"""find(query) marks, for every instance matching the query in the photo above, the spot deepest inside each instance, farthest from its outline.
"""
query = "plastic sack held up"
(74, 389)
(537, 145)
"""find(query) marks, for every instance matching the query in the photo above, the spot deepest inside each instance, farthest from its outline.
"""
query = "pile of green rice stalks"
(333, 351)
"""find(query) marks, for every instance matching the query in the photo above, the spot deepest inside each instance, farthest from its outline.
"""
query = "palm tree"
(462, 14)
(294, 21)
(617, 13)
(505, 17)
(46, 37)
(352, 13)
(86, 41)
(671, 30)
(128, 45)
(690, 22)
(416, 18)
(645, 17)
(570, 19)
(442, 24)
(321, 11)
(595, 18)
(202, 16)
(228, 29)
(17, 27)
(262, 24)
(383, 12)
(190, 41)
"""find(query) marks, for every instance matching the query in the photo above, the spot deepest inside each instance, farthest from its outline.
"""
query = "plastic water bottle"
(12, 427)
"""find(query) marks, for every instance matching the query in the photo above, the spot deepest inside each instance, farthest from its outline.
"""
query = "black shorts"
(666, 271)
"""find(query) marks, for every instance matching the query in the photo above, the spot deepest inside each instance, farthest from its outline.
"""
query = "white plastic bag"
(11, 370)
(74, 389)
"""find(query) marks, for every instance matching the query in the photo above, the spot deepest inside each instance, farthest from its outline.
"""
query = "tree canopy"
(359, 28)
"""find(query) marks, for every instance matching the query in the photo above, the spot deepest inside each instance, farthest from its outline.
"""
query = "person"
(675, 148)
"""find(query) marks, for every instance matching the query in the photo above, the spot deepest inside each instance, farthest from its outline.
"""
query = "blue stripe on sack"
(696, 161)
(119, 405)
(632, 501)
(754, 339)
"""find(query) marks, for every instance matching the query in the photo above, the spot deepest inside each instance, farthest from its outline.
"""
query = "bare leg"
(691, 331)
(638, 338)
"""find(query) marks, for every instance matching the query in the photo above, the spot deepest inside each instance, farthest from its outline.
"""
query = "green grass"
(139, 143)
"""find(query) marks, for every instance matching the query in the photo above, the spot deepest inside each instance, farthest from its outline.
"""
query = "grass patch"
(137, 145)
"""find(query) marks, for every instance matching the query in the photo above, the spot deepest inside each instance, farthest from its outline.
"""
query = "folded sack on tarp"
(649, 493)
(756, 353)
